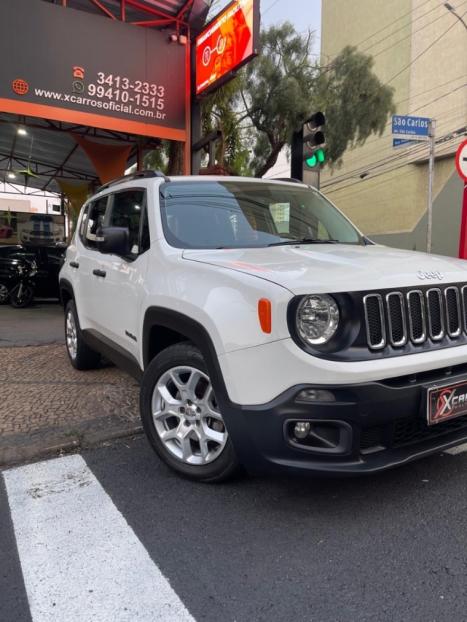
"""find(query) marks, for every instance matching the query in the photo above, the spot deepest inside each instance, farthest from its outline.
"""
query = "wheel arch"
(163, 327)
(66, 292)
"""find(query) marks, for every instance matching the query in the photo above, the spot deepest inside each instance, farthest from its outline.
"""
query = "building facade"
(420, 49)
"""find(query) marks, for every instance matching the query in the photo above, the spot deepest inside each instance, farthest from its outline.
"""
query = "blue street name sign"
(410, 126)
(401, 142)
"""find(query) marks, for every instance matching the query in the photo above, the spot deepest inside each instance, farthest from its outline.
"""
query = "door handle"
(101, 273)
(74, 264)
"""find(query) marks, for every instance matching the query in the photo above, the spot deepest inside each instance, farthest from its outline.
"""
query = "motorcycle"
(22, 294)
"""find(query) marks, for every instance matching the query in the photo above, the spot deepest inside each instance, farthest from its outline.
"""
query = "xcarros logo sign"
(447, 402)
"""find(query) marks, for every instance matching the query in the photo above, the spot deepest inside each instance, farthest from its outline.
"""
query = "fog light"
(315, 395)
(301, 429)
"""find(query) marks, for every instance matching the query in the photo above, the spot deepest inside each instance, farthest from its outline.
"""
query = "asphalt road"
(41, 323)
(388, 547)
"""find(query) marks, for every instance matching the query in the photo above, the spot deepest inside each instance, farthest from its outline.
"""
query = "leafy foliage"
(283, 87)
(271, 98)
(356, 103)
(277, 92)
(220, 112)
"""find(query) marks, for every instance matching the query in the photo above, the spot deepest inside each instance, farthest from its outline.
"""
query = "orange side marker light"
(265, 315)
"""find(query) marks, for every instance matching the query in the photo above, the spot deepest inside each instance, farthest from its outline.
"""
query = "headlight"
(317, 319)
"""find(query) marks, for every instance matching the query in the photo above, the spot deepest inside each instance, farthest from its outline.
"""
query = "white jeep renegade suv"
(267, 331)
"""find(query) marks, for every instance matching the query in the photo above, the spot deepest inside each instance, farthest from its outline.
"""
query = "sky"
(304, 14)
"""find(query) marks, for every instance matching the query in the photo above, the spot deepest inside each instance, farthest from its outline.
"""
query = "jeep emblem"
(428, 276)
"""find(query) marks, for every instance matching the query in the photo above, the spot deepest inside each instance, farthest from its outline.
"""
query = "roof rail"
(290, 179)
(146, 174)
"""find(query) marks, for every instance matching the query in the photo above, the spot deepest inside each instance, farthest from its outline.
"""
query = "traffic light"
(313, 141)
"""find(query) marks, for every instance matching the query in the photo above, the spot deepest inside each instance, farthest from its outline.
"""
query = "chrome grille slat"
(374, 321)
(396, 319)
(464, 306)
(435, 313)
(453, 311)
(417, 317)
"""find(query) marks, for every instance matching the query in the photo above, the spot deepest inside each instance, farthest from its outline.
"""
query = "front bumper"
(368, 428)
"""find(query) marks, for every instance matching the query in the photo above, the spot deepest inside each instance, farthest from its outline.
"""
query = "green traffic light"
(319, 157)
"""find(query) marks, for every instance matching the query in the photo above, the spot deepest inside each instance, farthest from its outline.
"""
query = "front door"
(122, 290)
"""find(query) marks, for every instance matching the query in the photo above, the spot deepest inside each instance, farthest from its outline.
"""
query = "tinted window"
(82, 228)
(94, 221)
(247, 214)
(128, 209)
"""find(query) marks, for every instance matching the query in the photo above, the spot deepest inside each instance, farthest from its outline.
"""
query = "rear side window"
(129, 210)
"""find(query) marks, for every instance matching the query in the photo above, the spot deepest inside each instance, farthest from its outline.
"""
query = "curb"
(37, 450)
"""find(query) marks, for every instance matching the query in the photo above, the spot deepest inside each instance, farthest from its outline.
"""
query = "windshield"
(235, 214)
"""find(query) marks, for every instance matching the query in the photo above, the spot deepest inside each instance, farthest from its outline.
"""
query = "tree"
(220, 112)
(356, 103)
(283, 86)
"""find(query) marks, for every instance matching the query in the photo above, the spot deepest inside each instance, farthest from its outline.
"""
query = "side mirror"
(114, 240)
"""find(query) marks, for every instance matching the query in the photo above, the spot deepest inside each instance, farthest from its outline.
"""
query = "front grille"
(405, 432)
(416, 316)
(410, 431)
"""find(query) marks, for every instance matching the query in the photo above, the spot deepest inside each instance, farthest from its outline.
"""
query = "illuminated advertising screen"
(70, 65)
(229, 41)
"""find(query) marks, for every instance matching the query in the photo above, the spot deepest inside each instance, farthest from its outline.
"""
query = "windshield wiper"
(303, 241)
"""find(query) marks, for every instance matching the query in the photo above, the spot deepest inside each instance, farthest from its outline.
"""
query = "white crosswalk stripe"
(80, 559)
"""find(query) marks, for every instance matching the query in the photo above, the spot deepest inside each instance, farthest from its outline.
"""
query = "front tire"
(181, 417)
(21, 295)
(80, 354)
(4, 294)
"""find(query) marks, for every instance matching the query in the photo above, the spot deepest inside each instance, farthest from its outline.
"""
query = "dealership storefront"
(96, 84)
(89, 87)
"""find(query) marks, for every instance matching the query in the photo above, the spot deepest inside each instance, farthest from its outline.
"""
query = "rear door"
(86, 264)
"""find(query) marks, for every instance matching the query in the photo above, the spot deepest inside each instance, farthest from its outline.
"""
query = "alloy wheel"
(71, 335)
(186, 416)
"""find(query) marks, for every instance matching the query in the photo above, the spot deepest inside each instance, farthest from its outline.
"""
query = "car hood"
(336, 267)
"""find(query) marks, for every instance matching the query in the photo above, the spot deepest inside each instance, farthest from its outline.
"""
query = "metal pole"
(431, 172)
(463, 233)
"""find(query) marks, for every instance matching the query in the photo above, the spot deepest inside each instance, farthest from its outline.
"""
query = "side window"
(82, 227)
(94, 221)
(145, 241)
(129, 210)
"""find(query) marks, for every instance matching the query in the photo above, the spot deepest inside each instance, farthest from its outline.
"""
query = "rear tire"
(80, 354)
(181, 417)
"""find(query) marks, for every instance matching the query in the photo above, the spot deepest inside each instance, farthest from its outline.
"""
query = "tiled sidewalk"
(47, 406)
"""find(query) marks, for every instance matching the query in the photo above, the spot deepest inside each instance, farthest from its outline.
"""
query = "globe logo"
(19, 86)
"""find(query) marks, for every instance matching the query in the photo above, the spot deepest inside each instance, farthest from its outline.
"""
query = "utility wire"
(443, 141)
(391, 24)
(410, 35)
(408, 151)
(443, 34)
(409, 24)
